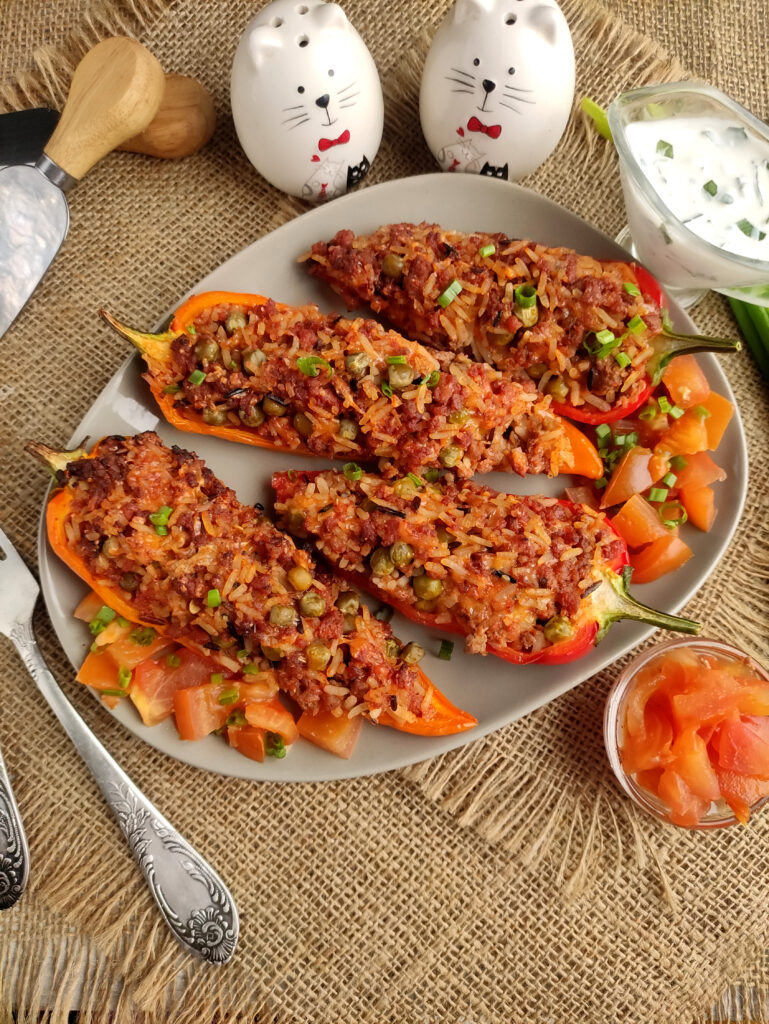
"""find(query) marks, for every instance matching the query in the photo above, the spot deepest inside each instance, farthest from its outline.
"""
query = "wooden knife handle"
(116, 91)
(183, 124)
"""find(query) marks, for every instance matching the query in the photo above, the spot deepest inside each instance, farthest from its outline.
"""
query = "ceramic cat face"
(497, 86)
(306, 98)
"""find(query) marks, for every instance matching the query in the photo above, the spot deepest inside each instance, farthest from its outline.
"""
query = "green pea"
(129, 581)
(207, 351)
(400, 376)
(302, 424)
(282, 615)
(404, 488)
(401, 553)
(449, 456)
(392, 265)
(274, 406)
(412, 653)
(253, 359)
(214, 417)
(348, 602)
(356, 364)
(312, 605)
(528, 315)
(253, 417)
(427, 588)
(392, 648)
(318, 655)
(348, 429)
(536, 370)
(558, 628)
(295, 522)
(110, 547)
(459, 416)
(381, 563)
(272, 653)
(300, 578)
(558, 388)
(235, 319)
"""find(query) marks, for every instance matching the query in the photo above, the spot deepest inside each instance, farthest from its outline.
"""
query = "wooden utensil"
(183, 124)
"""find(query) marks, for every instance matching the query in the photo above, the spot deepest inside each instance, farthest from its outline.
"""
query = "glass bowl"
(720, 814)
(679, 258)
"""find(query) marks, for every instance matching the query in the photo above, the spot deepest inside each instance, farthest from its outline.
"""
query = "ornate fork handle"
(192, 898)
(14, 854)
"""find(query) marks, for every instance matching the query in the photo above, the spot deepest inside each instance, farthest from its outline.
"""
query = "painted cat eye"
(300, 89)
(476, 62)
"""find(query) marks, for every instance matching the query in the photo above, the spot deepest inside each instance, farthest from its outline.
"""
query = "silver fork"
(192, 898)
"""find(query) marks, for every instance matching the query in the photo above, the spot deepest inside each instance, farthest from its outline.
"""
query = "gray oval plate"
(494, 691)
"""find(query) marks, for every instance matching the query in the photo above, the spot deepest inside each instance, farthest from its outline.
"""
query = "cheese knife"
(115, 93)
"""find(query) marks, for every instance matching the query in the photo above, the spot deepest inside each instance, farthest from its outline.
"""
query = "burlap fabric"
(508, 881)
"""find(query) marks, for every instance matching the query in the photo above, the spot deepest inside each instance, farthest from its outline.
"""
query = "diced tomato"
(741, 792)
(651, 747)
(638, 523)
(683, 437)
(660, 557)
(743, 746)
(687, 385)
(692, 763)
(584, 495)
(336, 735)
(248, 741)
(714, 695)
(89, 607)
(659, 465)
(100, 671)
(700, 505)
(155, 682)
(630, 477)
(699, 471)
(685, 807)
(123, 644)
(198, 711)
(721, 411)
(271, 716)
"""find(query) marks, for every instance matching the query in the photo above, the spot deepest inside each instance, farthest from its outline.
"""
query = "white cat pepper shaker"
(306, 99)
(497, 86)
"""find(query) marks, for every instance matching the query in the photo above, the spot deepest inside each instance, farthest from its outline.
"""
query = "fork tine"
(10, 554)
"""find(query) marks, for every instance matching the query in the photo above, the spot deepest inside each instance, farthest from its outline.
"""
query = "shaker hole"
(276, 22)
(303, 40)
(303, 9)
(511, 19)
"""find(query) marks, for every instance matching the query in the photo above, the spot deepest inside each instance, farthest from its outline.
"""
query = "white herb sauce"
(713, 175)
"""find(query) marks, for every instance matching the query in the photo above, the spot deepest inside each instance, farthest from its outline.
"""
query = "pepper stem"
(154, 346)
(618, 604)
(674, 344)
(55, 459)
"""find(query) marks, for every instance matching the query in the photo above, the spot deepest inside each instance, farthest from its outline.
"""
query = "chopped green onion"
(242, 654)
(710, 187)
(161, 531)
(94, 648)
(213, 598)
(676, 412)
(658, 494)
(172, 389)
(352, 471)
(251, 669)
(432, 379)
(672, 514)
(446, 650)
(236, 718)
(747, 229)
(196, 377)
(173, 660)
(161, 517)
(387, 391)
(600, 484)
(416, 480)
(396, 360)
(191, 329)
(486, 250)
(678, 462)
(143, 635)
(274, 745)
(636, 325)
(631, 289)
(216, 678)
(648, 413)
(604, 337)
(597, 115)
(631, 439)
(431, 475)
(228, 696)
(664, 404)
(124, 677)
(526, 296)
(669, 479)
(112, 693)
(665, 149)
(309, 365)
(603, 430)
(101, 620)
(701, 412)
(622, 359)
(619, 440)
(449, 294)
(122, 622)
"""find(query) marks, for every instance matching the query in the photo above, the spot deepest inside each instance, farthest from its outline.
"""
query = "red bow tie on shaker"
(493, 130)
(325, 144)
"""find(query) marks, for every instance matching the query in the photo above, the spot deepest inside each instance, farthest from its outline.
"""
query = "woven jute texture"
(508, 881)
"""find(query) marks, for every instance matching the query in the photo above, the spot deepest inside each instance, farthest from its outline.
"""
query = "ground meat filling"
(157, 526)
(512, 572)
(403, 271)
(349, 389)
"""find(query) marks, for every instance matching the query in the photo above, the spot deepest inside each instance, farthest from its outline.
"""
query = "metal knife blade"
(34, 218)
(24, 133)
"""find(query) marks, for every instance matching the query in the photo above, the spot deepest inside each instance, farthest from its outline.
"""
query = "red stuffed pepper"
(591, 333)
(530, 579)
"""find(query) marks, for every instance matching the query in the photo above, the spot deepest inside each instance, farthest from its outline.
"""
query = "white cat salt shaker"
(306, 99)
(497, 86)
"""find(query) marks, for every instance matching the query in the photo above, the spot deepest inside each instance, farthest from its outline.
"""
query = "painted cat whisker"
(459, 71)
(460, 81)
(298, 124)
(345, 89)
(469, 92)
(515, 88)
(520, 99)
(299, 106)
(514, 109)
(343, 99)
(296, 117)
